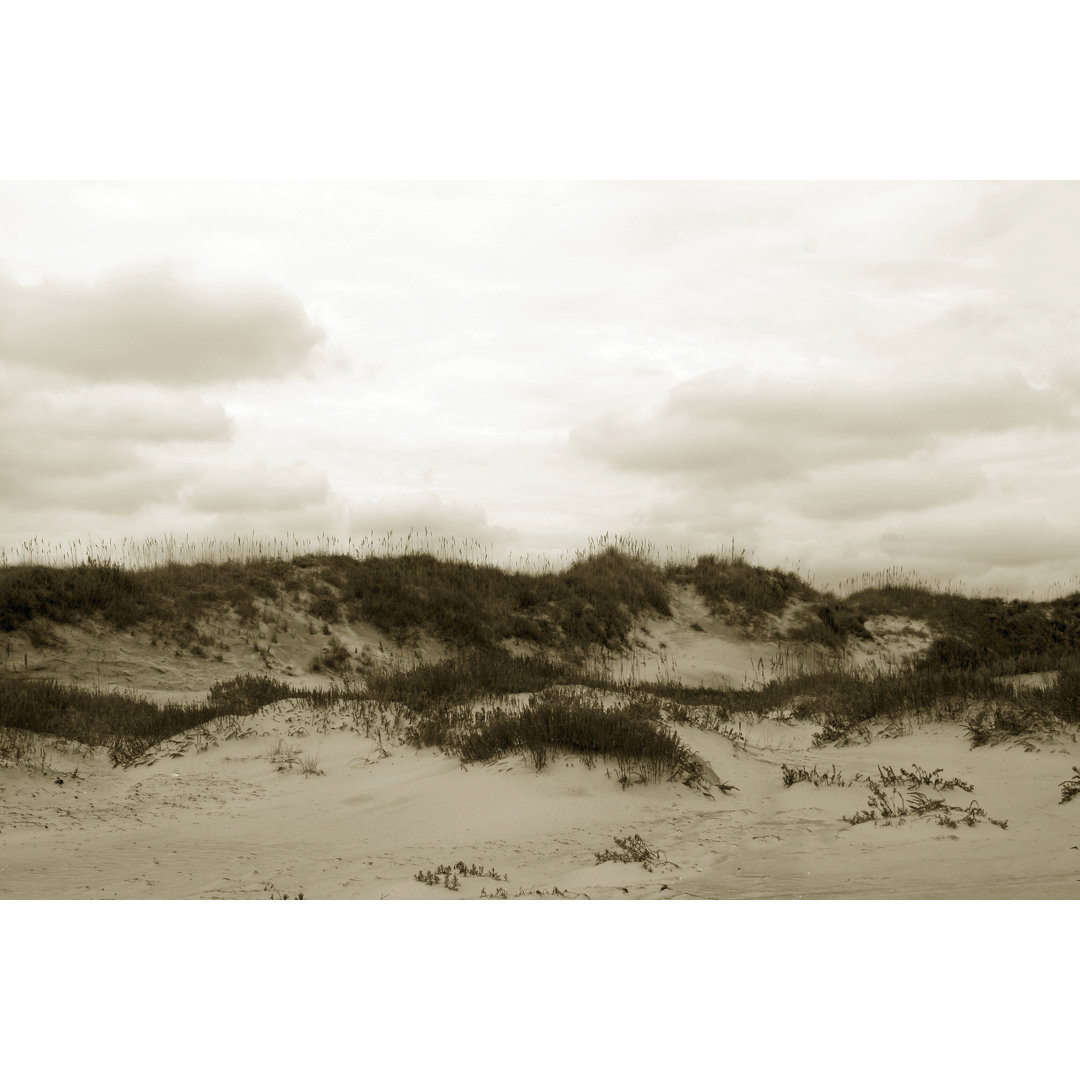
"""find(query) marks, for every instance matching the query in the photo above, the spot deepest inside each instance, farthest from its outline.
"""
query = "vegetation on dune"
(126, 724)
(477, 673)
(435, 705)
(742, 594)
(593, 602)
(467, 602)
(898, 797)
(735, 588)
(1070, 788)
(971, 631)
(168, 600)
(562, 617)
(630, 735)
(632, 849)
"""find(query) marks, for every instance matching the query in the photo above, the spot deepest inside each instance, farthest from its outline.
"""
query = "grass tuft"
(631, 735)
(632, 849)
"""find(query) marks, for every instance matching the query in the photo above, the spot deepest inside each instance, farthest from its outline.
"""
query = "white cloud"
(419, 514)
(723, 430)
(151, 326)
(80, 449)
(258, 489)
(859, 491)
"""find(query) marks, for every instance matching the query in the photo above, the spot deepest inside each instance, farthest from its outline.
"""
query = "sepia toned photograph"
(539, 540)
(557, 453)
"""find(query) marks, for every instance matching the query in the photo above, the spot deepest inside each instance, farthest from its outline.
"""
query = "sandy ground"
(215, 817)
(223, 822)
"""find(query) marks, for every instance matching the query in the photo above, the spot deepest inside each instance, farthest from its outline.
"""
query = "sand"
(225, 822)
(207, 816)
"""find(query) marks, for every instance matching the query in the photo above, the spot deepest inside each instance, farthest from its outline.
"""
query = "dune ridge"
(813, 740)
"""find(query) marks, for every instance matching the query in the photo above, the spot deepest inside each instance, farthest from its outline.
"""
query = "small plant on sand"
(554, 893)
(899, 805)
(230, 727)
(478, 871)
(917, 777)
(277, 894)
(442, 875)
(283, 756)
(886, 806)
(974, 813)
(818, 779)
(734, 735)
(309, 765)
(1070, 788)
(450, 876)
(633, 849)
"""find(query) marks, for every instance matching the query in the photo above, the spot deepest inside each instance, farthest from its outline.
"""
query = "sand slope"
(224, 822)
(221, 819)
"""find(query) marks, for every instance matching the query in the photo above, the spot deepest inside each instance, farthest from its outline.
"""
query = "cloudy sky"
(840, 376)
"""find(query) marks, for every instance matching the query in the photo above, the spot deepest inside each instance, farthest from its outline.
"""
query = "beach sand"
(225, 822)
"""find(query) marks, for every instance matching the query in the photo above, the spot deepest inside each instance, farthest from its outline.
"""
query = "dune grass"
(630, 736)
(468, 676)
(565, 617)
(593, 602)
(125, 724)
(1031, 635)
(438, 700)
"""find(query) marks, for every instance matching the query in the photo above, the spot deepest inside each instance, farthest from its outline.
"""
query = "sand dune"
(226, 822)
(298, 800)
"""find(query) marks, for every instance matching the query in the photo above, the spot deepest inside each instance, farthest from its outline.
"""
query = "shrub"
(334, 657)
(125, 723)
(467, 676)
(631, 736)
(246, 694)
(998, 721)
(732, 587)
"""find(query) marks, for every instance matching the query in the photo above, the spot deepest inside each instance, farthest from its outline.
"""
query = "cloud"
(258, 489)
(151, 326)
(118, 491)
(89, 450)
(719, 429)
(866, 490)
(996, 284)
(986, 540)
(425, 513)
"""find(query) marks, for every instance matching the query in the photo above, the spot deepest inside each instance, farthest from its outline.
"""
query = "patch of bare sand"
(693, 647)
(895, 638)
(286, 647)
(224, 822)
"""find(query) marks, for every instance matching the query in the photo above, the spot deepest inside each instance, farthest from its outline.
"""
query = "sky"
(837, 377)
